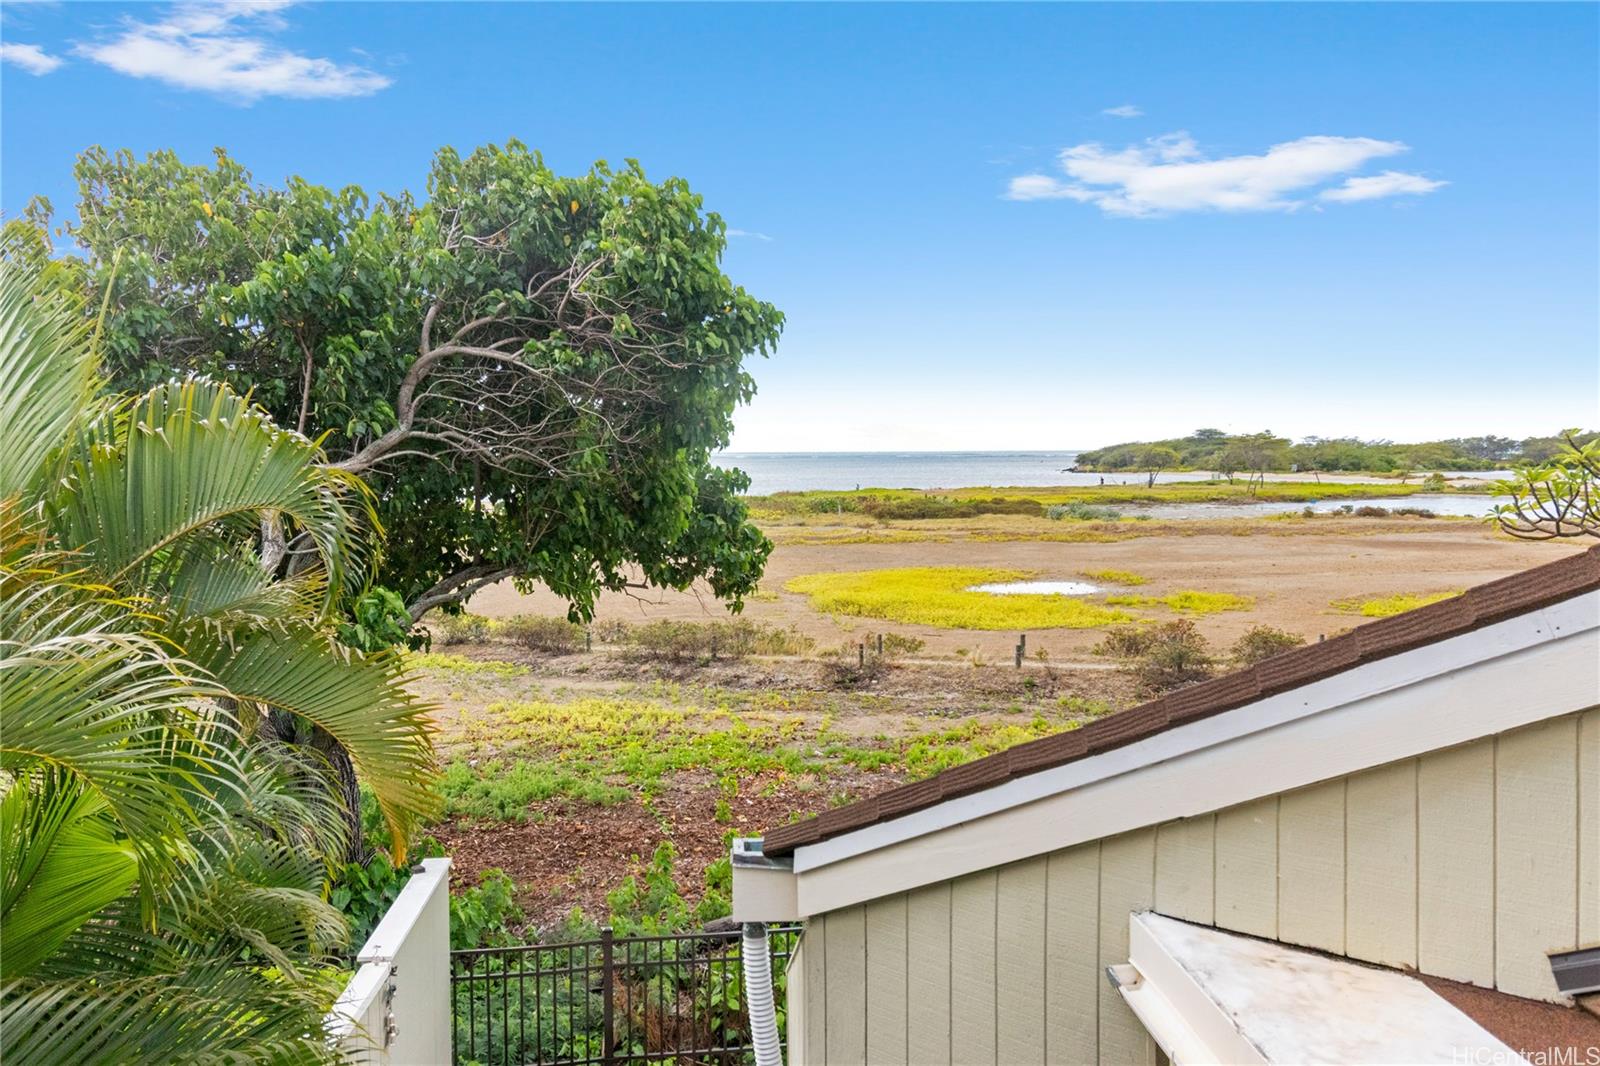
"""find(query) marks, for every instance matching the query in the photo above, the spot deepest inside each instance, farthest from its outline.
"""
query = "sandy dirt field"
(1293, 579)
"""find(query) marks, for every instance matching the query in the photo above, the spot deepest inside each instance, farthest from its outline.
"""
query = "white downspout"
(758, 999)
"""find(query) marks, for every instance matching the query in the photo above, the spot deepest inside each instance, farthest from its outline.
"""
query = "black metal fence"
(614, 1000)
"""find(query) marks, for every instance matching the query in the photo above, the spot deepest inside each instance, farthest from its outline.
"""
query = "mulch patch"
(571, 854)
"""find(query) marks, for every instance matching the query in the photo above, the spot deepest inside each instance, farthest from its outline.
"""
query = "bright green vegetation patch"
(1385, 606)
(604, 751)
(1115, 577)
(942, 596)
(461, 666)
(1190, 601)
(913, 504)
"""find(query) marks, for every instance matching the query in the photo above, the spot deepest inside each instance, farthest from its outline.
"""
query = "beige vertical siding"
(1589, 827)
(1536, 853)
(1019, 963)
(1311, 866)
(1381, 865)
(1186, 856)
(1072, 975)
(1127, 884)
(886, 980)
(928, 973)
(1470, 863)
(1247, 867)
(845, 940)
(973, 947)
(1455, 863)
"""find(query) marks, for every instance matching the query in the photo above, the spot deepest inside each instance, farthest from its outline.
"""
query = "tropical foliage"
(1230, 454)
(169, 815)
(1559, 497)
(531, 370)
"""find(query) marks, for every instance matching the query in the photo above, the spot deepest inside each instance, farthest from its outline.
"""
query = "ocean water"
(798, 471)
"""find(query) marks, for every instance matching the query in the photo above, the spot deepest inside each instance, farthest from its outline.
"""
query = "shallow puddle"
(1038, 588)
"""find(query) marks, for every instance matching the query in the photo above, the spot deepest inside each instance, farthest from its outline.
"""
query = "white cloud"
(30, 57)
(223, 46)
(749, 233)
(1377, 186)
(1124, 111)
(1169, 174)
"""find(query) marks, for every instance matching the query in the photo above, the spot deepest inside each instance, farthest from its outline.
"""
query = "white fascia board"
(1568, 618)
(1209, 996)
(1179, 1015)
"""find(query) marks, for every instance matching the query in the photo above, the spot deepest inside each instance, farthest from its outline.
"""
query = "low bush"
(1413, 512)
(1125, 642)
(1369, 511)
(849, 668)
(1262, 642)
(463, 628)
(941, 507)
(1177, 655)
(898, 644)
(1082, 512)
(736, 639)
(537, 633)
(611, 631)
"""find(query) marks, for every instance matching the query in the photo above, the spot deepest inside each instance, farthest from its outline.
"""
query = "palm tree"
(164, 853)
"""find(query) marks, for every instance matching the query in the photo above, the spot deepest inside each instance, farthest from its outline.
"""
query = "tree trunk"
(285, 728)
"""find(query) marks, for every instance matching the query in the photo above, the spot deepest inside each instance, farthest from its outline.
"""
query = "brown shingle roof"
(1479, 606)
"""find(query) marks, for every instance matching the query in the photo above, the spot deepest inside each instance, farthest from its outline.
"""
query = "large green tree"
(531, 371)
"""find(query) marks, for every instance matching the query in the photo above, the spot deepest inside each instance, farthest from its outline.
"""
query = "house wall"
(1470, 863)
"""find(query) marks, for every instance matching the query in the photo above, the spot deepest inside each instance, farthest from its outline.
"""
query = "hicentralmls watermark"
(1568, 1055)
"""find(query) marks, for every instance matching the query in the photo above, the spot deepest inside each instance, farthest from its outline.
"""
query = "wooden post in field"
(880, 645)
(1019, 656)
(1022, 643)
(861, 654)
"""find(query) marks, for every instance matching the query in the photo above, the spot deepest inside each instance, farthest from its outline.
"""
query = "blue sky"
(990, 226)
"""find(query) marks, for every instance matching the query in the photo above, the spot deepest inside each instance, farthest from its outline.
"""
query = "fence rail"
(609, 1001)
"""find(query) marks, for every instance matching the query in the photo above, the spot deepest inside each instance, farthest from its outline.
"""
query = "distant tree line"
(1249, 454)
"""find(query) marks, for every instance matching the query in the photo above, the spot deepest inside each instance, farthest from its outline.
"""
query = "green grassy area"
(1115, 577)
(608, 750)
(1385, 606)
(941, 596)
(1189, 601)
(911, 504)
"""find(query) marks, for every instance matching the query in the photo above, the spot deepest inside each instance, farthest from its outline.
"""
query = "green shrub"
(483, 915)
(898, 644)
(1169, 656)
(1125, 642)
(1082, 512)
(611, 631)
(555, 635)
(463, 628)
(1262, 642)
(736, 639)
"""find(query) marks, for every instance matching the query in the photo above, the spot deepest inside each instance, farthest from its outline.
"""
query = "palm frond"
(61, 862)
(192, 459)
(47, 376)
(358, 700)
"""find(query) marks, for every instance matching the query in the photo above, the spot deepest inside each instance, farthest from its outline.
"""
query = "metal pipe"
(757, 959)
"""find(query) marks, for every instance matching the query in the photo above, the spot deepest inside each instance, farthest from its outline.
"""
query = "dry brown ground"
(570, 854)
(1293, 578)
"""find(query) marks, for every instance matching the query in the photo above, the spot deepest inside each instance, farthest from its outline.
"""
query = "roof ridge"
(1479, 606)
